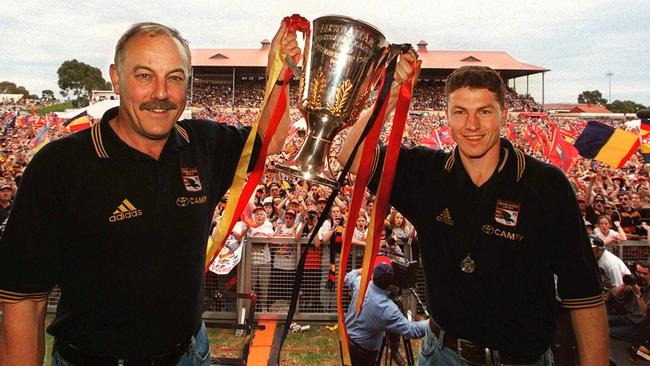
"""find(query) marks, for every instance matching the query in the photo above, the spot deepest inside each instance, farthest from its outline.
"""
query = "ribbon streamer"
(241, 190)
(399, 120)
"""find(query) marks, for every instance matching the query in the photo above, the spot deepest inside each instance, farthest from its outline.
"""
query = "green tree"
(79, 79)
(47, 94)
(591, 97)
(625, 106)
(7, 87)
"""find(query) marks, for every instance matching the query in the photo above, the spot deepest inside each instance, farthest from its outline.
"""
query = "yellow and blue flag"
(610, 145)
(78, 122)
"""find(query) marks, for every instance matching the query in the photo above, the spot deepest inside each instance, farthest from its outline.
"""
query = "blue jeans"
(433, 352)
(620, 327)
(198, 354)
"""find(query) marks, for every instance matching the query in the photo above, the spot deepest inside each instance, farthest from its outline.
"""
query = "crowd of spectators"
(428, 95)
(614, 202)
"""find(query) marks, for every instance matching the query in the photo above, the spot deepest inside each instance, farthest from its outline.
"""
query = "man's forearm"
(22, 337)
(590, 326)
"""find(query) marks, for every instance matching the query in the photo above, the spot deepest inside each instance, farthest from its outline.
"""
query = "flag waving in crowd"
(562, 153)
(605, 143)
(78, 122)
(41, 138)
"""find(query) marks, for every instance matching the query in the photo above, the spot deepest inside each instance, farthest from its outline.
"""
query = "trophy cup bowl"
(346, 59)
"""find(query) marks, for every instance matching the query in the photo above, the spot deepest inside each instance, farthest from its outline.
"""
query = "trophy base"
(296, 171)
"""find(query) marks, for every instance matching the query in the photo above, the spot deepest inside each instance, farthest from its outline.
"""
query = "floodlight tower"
(608, 75)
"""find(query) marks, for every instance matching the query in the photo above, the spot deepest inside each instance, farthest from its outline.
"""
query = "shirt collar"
(515, 165)
(108, 145)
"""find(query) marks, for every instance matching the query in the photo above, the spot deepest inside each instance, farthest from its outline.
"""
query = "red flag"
(562, 153)
(512, 131)
(445, 136)
(430, 141)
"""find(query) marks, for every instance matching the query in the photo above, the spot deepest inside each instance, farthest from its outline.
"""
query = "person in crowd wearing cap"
(270, 209)
(605, 232)
(483, 213)
(123, 211)
(630, 218)
(274, 190)
(321, 202)
(596, 208)
(636, 297)
(284, 258)
(313, 271)
(6, 193)
(380, 314)
(613, 267)
(260, 252)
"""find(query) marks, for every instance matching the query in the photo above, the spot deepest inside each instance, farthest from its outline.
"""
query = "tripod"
(389, 338)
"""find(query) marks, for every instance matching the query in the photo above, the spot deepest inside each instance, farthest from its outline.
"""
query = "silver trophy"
(345, 62)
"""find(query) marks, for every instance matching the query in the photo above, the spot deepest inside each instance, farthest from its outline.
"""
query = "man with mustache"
(120, 214)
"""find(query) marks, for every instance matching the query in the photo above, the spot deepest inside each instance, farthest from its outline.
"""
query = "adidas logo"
(445, 217)
(124, 211)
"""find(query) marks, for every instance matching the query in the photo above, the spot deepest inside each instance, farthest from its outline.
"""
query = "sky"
(579, 41)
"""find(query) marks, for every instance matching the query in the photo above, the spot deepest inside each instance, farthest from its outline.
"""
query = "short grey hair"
(150, 27)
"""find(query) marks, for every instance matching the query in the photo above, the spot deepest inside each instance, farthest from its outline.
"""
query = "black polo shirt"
(122, 234)
(521, 227)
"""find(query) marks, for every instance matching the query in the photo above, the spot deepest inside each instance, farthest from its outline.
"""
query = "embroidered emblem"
(507, 213)
(125, 210)
(191, 179)
(445, 217)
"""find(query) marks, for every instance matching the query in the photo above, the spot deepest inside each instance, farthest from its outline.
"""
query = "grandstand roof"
(565, 107)
(589, 108)
(435, 64)
(498, 60)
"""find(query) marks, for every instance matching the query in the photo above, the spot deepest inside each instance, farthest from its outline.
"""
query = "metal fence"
(273, 281)
(631, 251)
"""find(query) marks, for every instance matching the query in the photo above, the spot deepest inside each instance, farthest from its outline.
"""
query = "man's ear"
(504, 117)
(115, 78)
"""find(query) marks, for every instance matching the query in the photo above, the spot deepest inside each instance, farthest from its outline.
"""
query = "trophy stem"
(308, 164)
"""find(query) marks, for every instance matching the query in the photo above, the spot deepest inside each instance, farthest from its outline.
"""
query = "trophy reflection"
(346, 59)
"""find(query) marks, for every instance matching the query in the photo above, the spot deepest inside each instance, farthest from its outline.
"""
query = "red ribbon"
(294, 22)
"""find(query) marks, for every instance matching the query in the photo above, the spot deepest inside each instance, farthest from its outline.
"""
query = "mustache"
(158, 104)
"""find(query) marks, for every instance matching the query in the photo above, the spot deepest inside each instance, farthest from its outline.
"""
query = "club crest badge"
(191, 179)
(507, 213)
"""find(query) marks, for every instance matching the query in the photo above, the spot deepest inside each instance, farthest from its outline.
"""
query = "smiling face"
(152, 84)
(475, 119)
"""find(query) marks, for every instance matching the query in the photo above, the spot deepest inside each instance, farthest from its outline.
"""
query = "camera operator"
(635, 294)
(380, 315)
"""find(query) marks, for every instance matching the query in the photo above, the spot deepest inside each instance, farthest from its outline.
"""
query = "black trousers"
(361, 356)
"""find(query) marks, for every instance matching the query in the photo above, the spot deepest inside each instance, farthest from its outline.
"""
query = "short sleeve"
(30, 249)
(579, 282)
